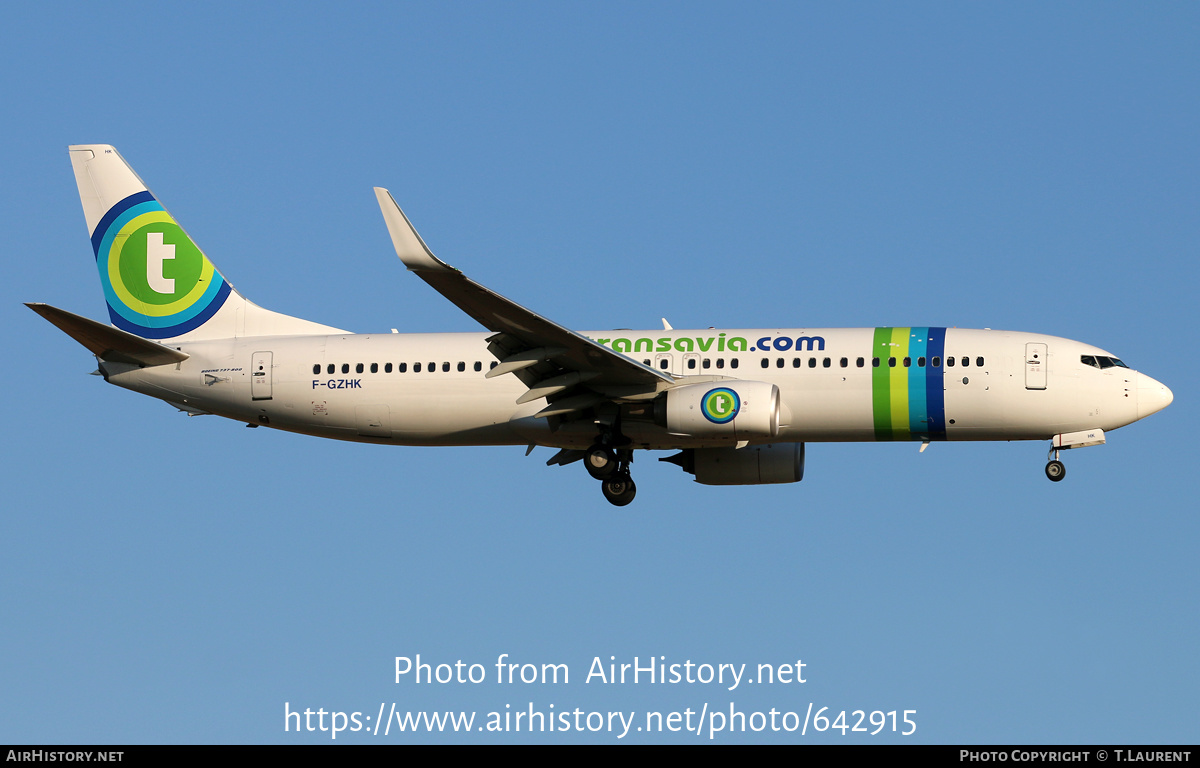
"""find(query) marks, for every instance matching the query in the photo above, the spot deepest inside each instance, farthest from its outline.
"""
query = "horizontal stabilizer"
(108, 343)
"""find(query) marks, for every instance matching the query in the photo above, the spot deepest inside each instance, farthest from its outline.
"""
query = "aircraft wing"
(553, 361)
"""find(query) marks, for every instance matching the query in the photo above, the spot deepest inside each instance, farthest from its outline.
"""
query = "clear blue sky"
(167, 579)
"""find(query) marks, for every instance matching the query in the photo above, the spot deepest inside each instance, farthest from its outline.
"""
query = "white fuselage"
(430, 389)
(738, 404)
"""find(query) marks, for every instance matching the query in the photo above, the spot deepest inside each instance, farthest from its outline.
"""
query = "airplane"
(738, 405)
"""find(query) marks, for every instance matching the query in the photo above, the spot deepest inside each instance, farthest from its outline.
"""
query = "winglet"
(409, 246)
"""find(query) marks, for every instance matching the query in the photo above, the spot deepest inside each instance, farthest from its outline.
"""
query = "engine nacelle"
(741, 410)
(752, 465)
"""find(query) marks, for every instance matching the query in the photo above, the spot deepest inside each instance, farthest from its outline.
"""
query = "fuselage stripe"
(898, 382)
(880, 387)
(908, 401)
(918, 413)
(935, 386)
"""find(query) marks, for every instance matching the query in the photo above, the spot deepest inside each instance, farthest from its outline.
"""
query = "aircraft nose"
(1152, 396)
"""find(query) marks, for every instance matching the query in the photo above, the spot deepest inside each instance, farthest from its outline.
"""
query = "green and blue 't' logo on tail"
(158, 284)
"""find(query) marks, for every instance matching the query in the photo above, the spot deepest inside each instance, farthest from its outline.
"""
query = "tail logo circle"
(157, 282)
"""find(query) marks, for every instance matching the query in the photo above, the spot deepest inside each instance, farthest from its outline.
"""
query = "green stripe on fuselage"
(881, 405)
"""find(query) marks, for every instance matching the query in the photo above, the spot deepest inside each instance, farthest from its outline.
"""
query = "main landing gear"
(601, 462)
(1055, 469)
(611, 467)
(619, 489)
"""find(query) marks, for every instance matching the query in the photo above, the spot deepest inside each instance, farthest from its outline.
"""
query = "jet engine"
(742, 410)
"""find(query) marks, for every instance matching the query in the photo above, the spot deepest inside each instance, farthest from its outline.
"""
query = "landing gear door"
(260, 376)
(1035, 365)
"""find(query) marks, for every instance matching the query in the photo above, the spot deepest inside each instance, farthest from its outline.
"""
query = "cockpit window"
(1097, 361)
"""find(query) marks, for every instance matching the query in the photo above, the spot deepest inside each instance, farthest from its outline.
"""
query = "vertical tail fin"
(157, 282)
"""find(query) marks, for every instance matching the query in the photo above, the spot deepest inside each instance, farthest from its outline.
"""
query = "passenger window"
(691, 363)
(845, 362)
(874, 362)
(416, 367)
(329, 369)
(908, 362)
(358, 368)
(462, 367)
(826, 363)
(795, 362)
(979, 361)
(949, 362)
(766, 363)
(403, 367)
(733, 363)
(966, 362)
(645, 362)
(493, 364)
(860, 362)
(707, 363)
(345, 367)
(891, 362)
(478, 366)
(812, 362)
(663, 363)
(431, 368)
(445, 367)
(316, 369)
(937, 362)
(720, 362)
(387, 367)
(374, 367)
(779, 362)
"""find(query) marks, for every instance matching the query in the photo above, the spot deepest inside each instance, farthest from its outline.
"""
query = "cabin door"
(260, 376)
(1035, 365)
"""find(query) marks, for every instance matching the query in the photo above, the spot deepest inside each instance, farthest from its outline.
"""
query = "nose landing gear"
(1055, 469)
